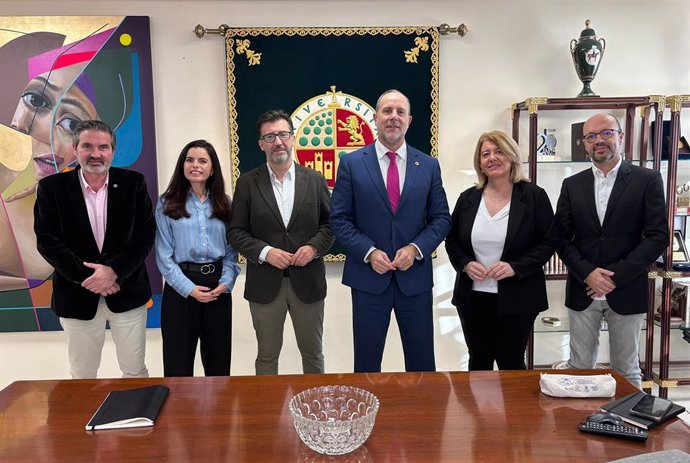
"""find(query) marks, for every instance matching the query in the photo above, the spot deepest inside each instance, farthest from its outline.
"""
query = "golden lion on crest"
(354, 128)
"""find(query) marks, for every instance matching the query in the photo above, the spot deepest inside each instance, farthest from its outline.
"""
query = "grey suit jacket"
(256, 223)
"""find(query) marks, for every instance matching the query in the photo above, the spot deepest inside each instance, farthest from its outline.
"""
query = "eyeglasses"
(271, 137)
(604, 134)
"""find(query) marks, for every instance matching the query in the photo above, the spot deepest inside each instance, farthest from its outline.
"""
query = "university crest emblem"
(329, 126)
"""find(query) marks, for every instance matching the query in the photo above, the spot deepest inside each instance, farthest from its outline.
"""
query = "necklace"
(496, 199)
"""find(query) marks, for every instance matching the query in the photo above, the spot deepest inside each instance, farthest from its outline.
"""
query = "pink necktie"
(393, 181)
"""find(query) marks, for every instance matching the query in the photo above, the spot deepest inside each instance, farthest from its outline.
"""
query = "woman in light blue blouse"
(198, 264)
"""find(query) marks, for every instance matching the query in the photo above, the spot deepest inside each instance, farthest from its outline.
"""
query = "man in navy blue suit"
(390, 212)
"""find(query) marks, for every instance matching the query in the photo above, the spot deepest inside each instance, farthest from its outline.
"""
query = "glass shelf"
(564, 327)
(564, 161)
(664, 162)
(675, 325)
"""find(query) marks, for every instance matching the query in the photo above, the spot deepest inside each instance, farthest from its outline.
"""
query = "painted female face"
(49, 111)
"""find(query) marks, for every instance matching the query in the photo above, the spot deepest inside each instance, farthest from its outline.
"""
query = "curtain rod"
(444, 29)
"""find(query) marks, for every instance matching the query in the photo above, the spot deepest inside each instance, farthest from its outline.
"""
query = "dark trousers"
(371, 315)
(186, 321)
(492, 338)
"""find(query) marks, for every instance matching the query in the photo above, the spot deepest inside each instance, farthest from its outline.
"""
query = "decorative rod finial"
(201, 31)
(445, 29)
(587, 23)
(462, 30)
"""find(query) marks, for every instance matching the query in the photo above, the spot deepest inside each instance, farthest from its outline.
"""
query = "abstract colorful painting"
(54, 73)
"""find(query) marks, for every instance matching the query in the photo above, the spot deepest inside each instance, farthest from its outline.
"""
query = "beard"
(95, 169)
(393, 138)
(607, 155)
(280, 158)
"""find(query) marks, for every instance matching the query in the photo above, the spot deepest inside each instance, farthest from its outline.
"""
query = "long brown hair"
(176, 193)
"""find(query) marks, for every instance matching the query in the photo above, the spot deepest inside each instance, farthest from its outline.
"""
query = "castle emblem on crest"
(329, 126)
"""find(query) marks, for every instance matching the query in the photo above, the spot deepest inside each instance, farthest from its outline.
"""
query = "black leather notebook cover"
(129, 408)
(621, 407)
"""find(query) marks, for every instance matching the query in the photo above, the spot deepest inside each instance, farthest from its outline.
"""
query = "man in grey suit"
(280, 224)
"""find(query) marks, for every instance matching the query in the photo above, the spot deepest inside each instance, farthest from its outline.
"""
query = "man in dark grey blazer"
(280, 224)
(612, 226)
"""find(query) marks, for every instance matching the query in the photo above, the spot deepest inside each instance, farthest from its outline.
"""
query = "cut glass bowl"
(334, 420)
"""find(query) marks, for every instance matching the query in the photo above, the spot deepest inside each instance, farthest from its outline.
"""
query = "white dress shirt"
(488, 239)
(385, 161)
(284, 192)
(603, 185)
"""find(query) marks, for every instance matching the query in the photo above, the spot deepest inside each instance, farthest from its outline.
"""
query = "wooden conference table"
(424, 417)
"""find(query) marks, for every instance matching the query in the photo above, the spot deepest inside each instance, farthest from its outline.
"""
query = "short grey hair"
(99, 126)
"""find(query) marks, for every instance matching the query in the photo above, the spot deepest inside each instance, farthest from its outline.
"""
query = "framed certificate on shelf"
(680, 252)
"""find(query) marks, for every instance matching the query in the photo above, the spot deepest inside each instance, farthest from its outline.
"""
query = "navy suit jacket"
(65, 240)
(633, 235)
(361, 217)
(528, 246)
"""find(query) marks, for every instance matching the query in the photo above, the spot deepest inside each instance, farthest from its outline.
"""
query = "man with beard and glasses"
(95, 226)
(280, 224)
(390, 212)
(611, 225)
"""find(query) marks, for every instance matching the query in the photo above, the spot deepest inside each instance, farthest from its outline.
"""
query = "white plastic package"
(577, 386)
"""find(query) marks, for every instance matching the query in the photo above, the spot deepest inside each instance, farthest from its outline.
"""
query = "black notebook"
(621, 407)
(131, 408)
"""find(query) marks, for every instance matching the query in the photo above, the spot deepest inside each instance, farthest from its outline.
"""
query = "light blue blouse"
(198, 238)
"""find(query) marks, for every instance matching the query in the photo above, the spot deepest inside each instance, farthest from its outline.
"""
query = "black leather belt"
(204, 269)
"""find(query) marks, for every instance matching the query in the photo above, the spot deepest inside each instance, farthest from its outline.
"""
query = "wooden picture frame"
(680, 251)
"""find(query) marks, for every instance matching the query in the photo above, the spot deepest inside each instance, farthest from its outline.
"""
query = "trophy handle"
(603, 44)
(573, 44)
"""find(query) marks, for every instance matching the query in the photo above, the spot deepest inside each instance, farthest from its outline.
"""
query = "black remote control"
(623, 432)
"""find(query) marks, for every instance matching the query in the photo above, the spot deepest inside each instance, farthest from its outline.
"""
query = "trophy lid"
(588, 31)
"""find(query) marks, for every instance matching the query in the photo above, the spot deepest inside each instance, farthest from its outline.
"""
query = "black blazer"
(65, 240)
(256, 223)
(633, 235)
(528, 246)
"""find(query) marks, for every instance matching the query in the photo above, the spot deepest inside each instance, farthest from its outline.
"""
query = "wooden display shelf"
(668, 273)
(646, 104)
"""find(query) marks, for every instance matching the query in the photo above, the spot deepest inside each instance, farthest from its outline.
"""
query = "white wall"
(515, 49)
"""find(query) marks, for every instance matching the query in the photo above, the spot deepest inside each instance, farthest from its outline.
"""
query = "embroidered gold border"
(232, 33)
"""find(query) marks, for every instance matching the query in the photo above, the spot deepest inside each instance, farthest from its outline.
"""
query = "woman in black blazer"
(499, 241)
